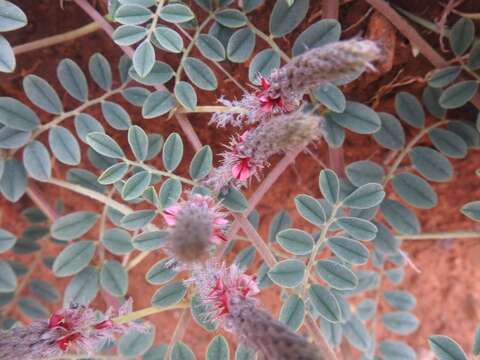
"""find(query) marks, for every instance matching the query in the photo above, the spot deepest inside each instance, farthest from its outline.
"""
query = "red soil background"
(448, 287)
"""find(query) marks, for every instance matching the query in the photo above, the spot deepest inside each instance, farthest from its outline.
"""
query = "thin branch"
(56, 39)
(462, 234)
(179, 331)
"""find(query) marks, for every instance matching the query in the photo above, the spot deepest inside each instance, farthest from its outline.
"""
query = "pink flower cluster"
(75, 328)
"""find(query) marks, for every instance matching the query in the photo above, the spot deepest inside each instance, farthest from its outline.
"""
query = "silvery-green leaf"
(430, 98)
(155, 143)
(442, 77)
(83, 288)
(395, 275)
(14, 180)
(116, 116)
(329, 185)
(360, 229)
(448, 143)
(284, 18)
(365, 197)
(160, 74)
(36, 160)
(349, 250)
(466, 131)
(7, 240)
(136, 95)
(172, 152)
(127, 35)
(200, 74)
(401, 300)
(462, 35)
(74, 258)
(44, 290)
(181, 351)
(100, 71)
(86, 124)
(42, 94)
(391, 134)
(476, 342)
(472, 210)
(73, 79)
(310, 209)
(136, 185)
(218, 349)
(332, 332)
(263, 280)
(366, 309)
(316, 35)
(446, 348)
(150, 240)
(32, 308)
(11, 16)
(186, 95)
(400, 217)
(400, 322)
(113, 174)
(135, 343)
(287, 273)
(295, 241)
(280, 221)
(138, 141)
(262, 64)
(409, 109)
(144, 58)
(7, 56)
(474, 58)
(169, 295)
(293, 312)
(16, 115)
(241, 45)
(117, 241)
(231, 18)
(331, 96)
(325, 303)
(385, 243)
(336, 275)
(132, 14)
(358, 118)
(245, 257)
(396, 350)
(160, 273)
(210, 47)
(199, 312)
(114, 278)
(170, 192)
(105, 145)
(458, 94)
(201, 163)
(13, 138)
(357, 334)
(157, 104)
(169, 39)
(137, 219)
(124, 65)
(86, 179)
(248, 6)
(8, 280)
(414, 190)
(176, 13)
(64, 145)
(73, 226)
(363, 172)
(431, 164)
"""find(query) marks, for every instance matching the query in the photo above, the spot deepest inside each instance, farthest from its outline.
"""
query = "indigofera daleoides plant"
(336, 272)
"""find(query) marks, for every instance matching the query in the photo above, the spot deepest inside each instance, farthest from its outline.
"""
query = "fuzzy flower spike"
(248, 154)
(228, 294)
(196, 225)
(282, 92)
(75, 328)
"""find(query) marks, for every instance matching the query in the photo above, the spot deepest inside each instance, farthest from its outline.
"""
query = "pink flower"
(210, 210)
(219, 286)
(75, 328)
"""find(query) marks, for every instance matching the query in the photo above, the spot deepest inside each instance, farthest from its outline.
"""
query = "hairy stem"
(56, 39)
(463, 234)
